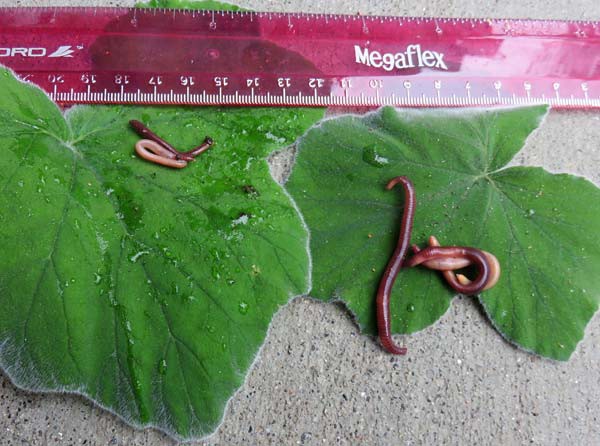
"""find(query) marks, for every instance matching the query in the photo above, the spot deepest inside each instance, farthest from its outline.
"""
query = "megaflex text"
(412, 57)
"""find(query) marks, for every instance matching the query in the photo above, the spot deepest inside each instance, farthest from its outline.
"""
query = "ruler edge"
(333, 16)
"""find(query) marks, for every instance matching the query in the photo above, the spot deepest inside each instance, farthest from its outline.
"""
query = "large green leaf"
(542, 227)
(147, 289)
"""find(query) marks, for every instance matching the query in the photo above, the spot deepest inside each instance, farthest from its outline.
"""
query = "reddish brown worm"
(443, 258)
(393, 267)
(200, 149)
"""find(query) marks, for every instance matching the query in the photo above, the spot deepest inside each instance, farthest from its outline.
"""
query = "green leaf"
(147, 289)
(542, 227)
(190, 4)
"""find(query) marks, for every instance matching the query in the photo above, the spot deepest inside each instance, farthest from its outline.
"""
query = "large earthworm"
(393, 267)
(443, 258)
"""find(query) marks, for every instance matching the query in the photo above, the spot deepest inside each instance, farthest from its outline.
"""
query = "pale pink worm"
(156, 153)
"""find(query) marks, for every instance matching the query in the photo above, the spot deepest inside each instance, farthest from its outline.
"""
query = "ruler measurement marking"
(343, 98)
(571, 92)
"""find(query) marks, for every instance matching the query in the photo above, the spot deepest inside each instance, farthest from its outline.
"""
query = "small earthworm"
(146, 133)
(155, 152)
(167, 154)
(393, 267)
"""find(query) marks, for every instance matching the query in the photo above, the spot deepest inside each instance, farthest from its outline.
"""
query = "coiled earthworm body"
(154, 148)
(393, 267)
(442, 264)
(448, 264)
(146, 133)
(493, 266)
(153, 151)
(473, 255)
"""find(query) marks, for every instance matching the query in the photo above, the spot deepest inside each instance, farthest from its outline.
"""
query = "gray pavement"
(318, 381)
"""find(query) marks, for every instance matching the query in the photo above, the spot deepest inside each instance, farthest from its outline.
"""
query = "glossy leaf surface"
(147, 289)
(542, 227)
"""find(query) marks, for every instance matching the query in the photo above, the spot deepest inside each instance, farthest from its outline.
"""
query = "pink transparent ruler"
(137, 56)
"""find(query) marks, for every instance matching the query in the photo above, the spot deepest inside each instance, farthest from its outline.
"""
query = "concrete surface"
(318, 381)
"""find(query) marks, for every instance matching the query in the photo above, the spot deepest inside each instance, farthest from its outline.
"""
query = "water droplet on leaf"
(162, 367)
(371, 157)
(243, 308)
